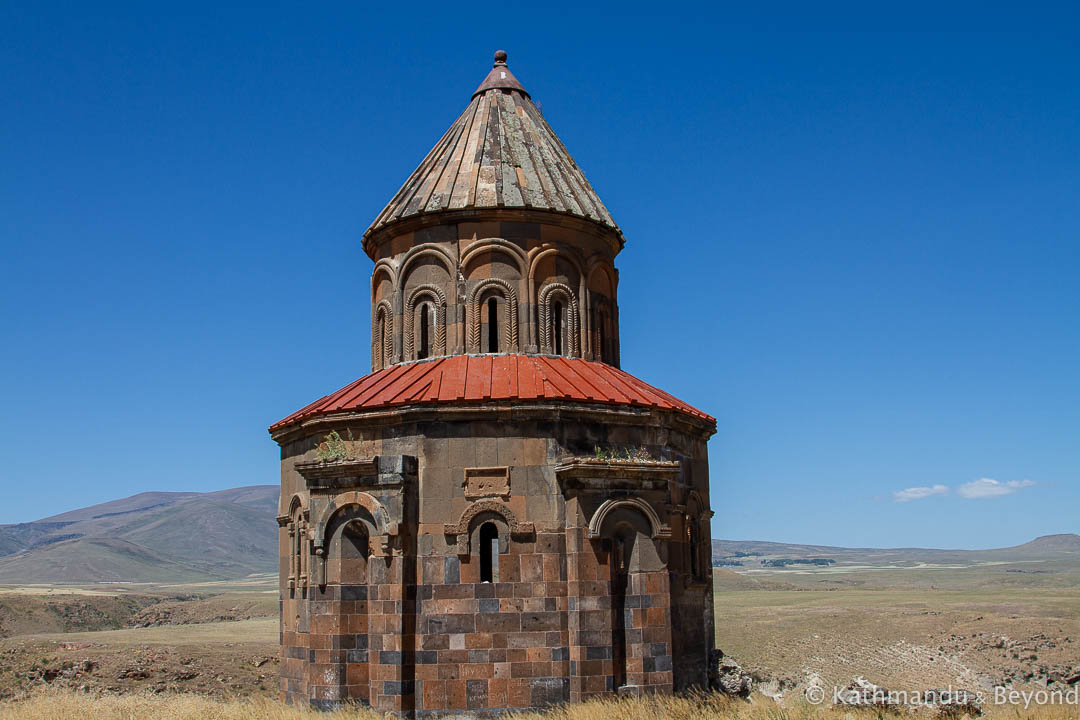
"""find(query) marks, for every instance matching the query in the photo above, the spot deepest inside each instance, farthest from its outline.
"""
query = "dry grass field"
(62, 705)
(210, 650)
(972, 627)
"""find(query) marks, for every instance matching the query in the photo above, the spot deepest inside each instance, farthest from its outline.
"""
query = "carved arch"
(382, 348)
(427, 250)
(510, 296)
(605, 266)
(462, 529)
(495, 245)
(572, 318)
(383, 266)
(596, 524)
(374, 508)
(542, 252)
(439, 298)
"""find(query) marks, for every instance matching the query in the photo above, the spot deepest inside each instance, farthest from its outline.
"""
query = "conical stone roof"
(500, 153)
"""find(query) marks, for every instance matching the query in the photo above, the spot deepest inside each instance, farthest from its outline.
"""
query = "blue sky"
(854, 238)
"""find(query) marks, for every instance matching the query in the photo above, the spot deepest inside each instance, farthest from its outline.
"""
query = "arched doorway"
(349, 535)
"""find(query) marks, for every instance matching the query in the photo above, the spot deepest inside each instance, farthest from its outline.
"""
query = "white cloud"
(987, 488)
(918, 493)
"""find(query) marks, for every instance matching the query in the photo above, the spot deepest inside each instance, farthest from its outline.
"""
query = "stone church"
(497, 516)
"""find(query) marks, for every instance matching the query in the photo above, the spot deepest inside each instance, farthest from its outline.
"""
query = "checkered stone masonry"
(501, 528)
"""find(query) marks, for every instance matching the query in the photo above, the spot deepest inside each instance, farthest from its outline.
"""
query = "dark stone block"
(497, 622)
(451, 570)
(598, 653)
(560, 654)
(356, 656)
(398, 687)
(476, 693)
(449, 624)
(435, 642)
(489, 605)
(648, 664)
(549, 691)
(657, 649)
(353, 593)
(427, 657)
(390, 657)
(479, 656)
(663, 663)
(534, 622)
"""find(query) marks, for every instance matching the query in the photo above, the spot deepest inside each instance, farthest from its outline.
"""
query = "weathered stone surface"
(449, 553)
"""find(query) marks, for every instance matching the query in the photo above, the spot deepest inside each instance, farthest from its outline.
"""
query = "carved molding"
(385, 312)
(439, 298)
(375, 508)
(606, 475)
(659, 530)
(511, 301)
(572, 319)
(462, 527)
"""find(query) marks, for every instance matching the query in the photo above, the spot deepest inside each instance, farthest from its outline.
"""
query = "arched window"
(381, 339)
(557, 327)
(489, 552)
(424, 350)
(493, 325)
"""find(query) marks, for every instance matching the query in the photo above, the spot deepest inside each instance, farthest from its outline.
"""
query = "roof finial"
(500, 57)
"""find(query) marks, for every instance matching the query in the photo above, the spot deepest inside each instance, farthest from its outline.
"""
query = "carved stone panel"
(487, 482)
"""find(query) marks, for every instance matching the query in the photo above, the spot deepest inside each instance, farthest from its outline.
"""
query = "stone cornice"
(510, 411)
(583, 473)
(373, 239)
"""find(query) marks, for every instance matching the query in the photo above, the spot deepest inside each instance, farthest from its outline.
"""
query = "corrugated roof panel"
(521, 378)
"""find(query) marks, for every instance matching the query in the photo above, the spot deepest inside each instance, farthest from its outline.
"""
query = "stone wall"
(431, 289)
(593, 589)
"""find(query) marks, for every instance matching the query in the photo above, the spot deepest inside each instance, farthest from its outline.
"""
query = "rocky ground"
(221, 643)
(789, 637)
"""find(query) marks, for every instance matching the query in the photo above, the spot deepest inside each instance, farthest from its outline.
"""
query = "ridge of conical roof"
(499, 153)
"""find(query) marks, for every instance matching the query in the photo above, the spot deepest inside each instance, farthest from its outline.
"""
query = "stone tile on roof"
(500, 152)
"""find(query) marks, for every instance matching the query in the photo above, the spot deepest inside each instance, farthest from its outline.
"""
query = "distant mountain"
(1065, 542)
(749, 552)
(149, 537)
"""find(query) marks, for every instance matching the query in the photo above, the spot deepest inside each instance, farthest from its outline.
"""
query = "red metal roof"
(480, 378)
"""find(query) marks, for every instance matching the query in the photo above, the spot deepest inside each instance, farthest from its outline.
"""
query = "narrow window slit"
(493, 325)
(489, 552)
(557, 326)
(425, 345)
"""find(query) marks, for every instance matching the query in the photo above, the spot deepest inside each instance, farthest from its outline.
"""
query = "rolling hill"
(190, 537)
(149, 537)
(755, 553)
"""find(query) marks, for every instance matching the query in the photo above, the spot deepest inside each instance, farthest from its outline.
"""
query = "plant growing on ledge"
(626, 454)
(335, 448)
